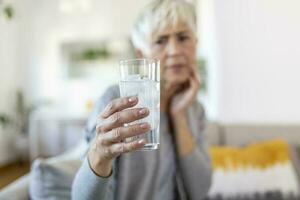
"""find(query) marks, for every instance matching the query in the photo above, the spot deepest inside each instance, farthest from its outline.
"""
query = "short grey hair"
(158, 15)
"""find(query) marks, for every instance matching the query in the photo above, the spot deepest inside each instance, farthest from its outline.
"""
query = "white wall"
(46, 28)
(9, 83)
(8, 71)
(30, 50)
(258, 47)
(251, 47)
(207, 46)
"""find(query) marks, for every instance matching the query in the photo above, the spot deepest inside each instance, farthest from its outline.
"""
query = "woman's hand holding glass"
(111, 133)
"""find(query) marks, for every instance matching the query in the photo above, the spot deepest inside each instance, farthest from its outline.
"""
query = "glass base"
(150, 146)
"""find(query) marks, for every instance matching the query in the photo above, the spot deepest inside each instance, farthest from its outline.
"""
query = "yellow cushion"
(259, 155)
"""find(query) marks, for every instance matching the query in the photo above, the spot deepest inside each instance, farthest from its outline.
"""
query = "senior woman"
(180, 169)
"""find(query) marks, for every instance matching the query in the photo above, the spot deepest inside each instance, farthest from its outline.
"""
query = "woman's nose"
(173, 48)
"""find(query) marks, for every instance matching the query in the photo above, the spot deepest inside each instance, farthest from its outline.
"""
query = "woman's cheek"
(163, 74)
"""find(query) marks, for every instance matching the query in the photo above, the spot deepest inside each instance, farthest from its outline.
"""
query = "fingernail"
(143, 111)
(144, 126)
(132, 99)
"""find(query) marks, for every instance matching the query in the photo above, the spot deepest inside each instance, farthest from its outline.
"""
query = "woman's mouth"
(175, 67)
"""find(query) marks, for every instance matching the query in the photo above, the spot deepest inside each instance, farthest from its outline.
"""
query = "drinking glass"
(141, 78)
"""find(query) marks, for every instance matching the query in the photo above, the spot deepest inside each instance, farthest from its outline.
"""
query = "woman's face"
(175, 47)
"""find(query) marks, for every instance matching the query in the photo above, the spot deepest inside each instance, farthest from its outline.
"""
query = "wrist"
(179, 117)
(100, 167)
(183, 136)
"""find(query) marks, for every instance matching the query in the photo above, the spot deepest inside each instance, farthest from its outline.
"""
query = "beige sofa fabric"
(239, 134)
(212, 133)
(216, 134)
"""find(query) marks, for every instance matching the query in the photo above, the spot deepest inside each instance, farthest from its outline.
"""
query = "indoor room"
(149, 99)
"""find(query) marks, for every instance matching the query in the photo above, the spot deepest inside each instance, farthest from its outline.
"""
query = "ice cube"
(133, 77)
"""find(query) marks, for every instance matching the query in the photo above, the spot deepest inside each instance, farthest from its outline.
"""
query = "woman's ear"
(139, 53)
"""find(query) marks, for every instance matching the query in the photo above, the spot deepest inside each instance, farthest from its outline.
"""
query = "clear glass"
(141, 77)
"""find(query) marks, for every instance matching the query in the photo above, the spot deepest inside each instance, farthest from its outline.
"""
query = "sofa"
(68, 162)
(217, 134)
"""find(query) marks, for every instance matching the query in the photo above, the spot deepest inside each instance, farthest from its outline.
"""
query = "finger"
(118, 105)
(119, 148)
(194, 83)
(194, 65)
(120, 118)
(195, 71)
(191, 93)
(121, 133)
(196, 79)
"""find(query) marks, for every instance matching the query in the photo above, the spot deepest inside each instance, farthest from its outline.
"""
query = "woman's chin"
(177, 77)
(178, 80)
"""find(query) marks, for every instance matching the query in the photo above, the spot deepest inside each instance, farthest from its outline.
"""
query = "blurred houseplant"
(90, 54)
(23, 112)
(201, 65)
(4, 120)
(17, 123)
(19, 120)
(6, 10)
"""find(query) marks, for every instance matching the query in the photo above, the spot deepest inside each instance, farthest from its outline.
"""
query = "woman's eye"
(161, 41)
(183, 38)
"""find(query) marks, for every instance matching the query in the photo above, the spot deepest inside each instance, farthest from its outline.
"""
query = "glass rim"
(132, 60)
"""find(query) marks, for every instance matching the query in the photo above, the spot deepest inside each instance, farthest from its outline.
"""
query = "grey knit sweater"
(146, 175)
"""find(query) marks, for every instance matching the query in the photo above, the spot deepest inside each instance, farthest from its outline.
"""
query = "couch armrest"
(76, 153)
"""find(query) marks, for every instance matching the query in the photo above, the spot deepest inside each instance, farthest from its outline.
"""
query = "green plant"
(19, 120)
(201, 64)
(93, 54)
(7, 10)
(4, 120)
(23, 111)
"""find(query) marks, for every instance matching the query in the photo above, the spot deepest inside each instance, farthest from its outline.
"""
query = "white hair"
(158, 15)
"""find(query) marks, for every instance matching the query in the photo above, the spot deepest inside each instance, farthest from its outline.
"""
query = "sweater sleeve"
(87, 185)
(196, 167)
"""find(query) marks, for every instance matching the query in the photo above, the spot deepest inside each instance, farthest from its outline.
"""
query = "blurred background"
(58, 56)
